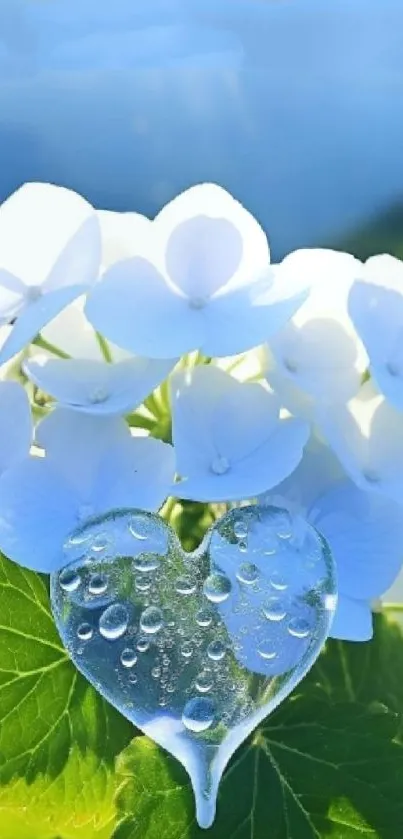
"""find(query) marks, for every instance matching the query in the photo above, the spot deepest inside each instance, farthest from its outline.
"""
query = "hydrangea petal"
(77, 442)
(15, 424)
(365, 534)
(122, 235)
(34, 316)
(215, 203)
(12, 292)
(36, 223)
(135, 473)
(71, 332)
(352, 620)
(38, 510)
(133, 306)
(97, 387)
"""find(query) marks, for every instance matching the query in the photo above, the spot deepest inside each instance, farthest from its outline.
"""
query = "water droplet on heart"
(247, 573)
(151, 620)
(97, 584)
(240, 529)
(99, 542)
(113, 622)
(203, 618)
(133, 678)
(284, 527)
(156, 672)
(265, 650)
(299, 628)
(143, 583)
(143, 645)
(69, 580)
(204, 681)
(278, 582)
(274, 609)
(187, 649)
(128, 657)
(85, 632)
(198, 714)
(217, 587)
(147, 563)
(139, 527)
(185, 585)
(216, 650)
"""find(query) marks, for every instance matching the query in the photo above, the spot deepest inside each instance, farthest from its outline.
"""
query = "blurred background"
(295, 106)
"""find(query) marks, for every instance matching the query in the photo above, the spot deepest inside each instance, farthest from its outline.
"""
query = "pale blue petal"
(15, 424)
(80, 261)
(12, 291)
(96, 387)
(242, 317)
(35, 315)
(135, 473)
(77, 442)
(317, 471)
(133, 306)
(352, 621)
(365, 535)
(37, 511)
(203, 254)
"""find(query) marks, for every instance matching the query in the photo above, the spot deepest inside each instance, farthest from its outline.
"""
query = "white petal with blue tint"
(38, 510)
(229, 438)
(352, 620)
(97, 387)
(15, 424)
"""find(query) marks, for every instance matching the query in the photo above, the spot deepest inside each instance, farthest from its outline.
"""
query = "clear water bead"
(97, 584)
(113, 622)
(85, 632)
(217, 588)
(240, 529)
(247, 573)
(203, 618)
(198, 714)
(274, 609)
(266, 651)
(69, 580)
(128, 657)
(185, 585)
(204, 681)
(299, 628)
(216, 650)
(152, 620)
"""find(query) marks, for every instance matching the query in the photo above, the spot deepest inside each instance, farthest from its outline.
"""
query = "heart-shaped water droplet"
(195, 649)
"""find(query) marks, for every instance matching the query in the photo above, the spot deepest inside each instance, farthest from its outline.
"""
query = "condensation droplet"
(198, 714)
(128, 657)
(69, 580)
(185, 585)
(247, 573)
(99, 542)
(240, 529)
(217, 587)
(146, 563)
(299, 628)
(139, 527)
(132, 678)
(143, 583)
(204, 681)
(113, 622)
(85, 632)
(274, 609)
(216, 650)
(265, 650)
(187, 649)
(278, 582)
(203, 618)
(243, 547)
(152, 620)
(97, 584)
(156, 672)
(142, 645)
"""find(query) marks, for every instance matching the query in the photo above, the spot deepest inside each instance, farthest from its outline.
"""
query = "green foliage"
(327, 763)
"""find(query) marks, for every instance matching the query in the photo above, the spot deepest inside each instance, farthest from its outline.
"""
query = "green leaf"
(313, 770)
(327, 763)
(49, 714)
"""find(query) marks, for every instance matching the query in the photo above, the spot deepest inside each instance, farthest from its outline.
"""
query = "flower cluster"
(143, 360)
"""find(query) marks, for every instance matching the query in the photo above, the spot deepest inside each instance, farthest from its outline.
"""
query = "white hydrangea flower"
(229, 440)
(201, 279)
(50, 254)
(376, 307)
(317, 357)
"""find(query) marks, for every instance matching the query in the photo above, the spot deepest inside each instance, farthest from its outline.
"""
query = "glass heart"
(195, 649)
